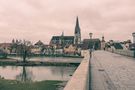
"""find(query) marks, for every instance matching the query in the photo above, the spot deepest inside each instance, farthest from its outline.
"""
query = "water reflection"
(29, 74)
(25, 75)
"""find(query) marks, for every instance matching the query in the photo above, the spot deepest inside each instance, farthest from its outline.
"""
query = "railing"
(124, 52)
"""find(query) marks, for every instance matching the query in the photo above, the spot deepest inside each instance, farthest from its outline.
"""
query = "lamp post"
(90, 34)
(90, 54)
(90, 49)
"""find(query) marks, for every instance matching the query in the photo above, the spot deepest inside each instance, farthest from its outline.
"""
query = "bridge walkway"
(111, 71)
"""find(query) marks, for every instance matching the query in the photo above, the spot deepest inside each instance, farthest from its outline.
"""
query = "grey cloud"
(40, 19)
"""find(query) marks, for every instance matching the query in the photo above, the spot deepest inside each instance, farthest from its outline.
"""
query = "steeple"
(77, 27)
(77, 37)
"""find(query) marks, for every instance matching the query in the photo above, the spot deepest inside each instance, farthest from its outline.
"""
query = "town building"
(91, 44)
(6, 47)
(71, 49)
(39, 44)
(3, 54)
(38, 48)
(60, 41)
(132, 46)
(133, 34)
(126, 44)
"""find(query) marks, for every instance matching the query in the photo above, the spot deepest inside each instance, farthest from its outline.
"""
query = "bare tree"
(24, 49)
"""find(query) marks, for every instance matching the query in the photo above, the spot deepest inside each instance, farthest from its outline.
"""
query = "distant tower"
(13, 41)
(103, 39)
(90, 34)
(61, 41)
(77, 37)
(103, 43)
(133, 34)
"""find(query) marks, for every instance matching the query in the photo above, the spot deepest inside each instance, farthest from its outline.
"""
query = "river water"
(38, 73)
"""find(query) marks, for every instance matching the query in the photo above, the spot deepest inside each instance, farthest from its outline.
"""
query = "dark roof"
(40, 43)
(133, 33)
(64, 37)
(117, 46)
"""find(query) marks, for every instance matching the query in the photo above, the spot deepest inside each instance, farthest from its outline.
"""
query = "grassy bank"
(43, 85)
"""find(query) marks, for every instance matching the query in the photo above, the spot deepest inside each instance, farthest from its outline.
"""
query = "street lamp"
(90, 54)
(90, 34)
(90, 49)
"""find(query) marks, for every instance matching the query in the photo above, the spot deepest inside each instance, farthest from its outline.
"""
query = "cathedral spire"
(77, 27)
(77, 37)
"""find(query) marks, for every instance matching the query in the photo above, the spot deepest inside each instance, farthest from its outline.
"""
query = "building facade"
(91, 44)
(61, 41)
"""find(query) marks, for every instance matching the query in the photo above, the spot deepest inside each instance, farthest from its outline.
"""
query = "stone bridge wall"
(80, 79)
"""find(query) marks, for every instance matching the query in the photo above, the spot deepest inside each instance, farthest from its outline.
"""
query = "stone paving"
(111, 71)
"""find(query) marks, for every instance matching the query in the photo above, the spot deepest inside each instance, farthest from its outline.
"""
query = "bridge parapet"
(80, 79)
(124, 52)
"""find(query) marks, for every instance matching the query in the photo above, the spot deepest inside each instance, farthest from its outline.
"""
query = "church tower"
(103, 43)
(77, 34)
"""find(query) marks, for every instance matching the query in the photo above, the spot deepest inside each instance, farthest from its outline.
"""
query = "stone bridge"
(104, 71)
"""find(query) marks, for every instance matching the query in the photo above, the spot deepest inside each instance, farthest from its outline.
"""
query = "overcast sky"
(40, 19)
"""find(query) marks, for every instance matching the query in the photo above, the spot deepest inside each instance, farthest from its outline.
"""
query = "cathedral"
(62, 40)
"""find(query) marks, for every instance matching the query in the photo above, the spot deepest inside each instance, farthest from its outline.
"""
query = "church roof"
(64, 37)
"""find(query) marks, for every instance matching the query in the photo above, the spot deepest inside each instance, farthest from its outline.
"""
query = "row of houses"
(67, 46)
(125, 45)
(54, 47)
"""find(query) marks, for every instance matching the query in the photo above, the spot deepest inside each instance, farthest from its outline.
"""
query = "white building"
(133, 34)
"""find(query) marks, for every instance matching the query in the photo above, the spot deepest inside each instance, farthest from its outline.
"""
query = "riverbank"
(43, 85)
(51, 55)
(35, 63)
